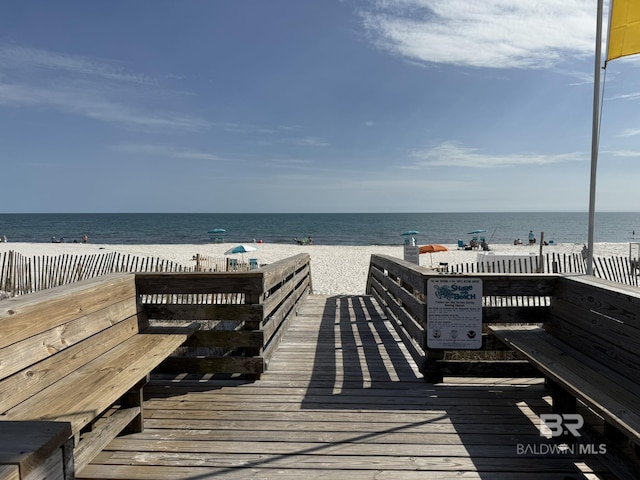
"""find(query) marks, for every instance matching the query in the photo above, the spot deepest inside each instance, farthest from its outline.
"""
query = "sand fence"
(21, 274)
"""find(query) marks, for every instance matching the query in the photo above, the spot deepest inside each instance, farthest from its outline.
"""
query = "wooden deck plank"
(341, 399)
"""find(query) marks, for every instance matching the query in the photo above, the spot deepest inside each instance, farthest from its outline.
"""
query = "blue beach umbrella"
(476, 231)
(241, 249)
(410, 232)
(216, 234)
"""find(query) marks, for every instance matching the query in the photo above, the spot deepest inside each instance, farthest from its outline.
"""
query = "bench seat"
(598, 386)
(87, 392)
(80, 354)
(588, 348)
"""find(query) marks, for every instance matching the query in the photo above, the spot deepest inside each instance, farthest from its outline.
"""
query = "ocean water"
(326, 229)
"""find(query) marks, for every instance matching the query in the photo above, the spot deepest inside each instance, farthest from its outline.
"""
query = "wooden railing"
(401, 289)
(242, 314)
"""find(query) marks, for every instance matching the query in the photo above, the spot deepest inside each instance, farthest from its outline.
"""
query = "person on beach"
(85, 238)
(532, 237)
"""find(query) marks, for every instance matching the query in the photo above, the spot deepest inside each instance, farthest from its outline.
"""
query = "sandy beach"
(336, 270)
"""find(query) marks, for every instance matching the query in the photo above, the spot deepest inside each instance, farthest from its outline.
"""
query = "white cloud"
(484, 33)
(453, 155)
(629, 132)
(625, 153)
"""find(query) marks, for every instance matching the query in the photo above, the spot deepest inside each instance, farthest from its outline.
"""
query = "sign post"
(411, 251)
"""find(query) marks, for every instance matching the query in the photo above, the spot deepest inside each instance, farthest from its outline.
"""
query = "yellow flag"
(624, 32)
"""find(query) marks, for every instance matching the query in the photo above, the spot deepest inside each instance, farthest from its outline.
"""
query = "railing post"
(429, 368)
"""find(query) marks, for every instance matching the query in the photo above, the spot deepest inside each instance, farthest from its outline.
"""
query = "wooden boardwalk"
(341, 399)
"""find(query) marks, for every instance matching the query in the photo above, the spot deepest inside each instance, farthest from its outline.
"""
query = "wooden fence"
(20, 274)
(616, 269)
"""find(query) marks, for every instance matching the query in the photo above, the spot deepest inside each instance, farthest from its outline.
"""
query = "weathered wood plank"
(99, 384)
(21, 354)
(27, 315)
(9, 472)
(93, 442)
(30, 445)
(199, 283)
(34, 379)
(228, 364)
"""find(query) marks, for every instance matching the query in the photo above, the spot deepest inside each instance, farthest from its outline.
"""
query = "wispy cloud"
(28, 60)
(483, 33)
(166, 151)
(625, 153)
(94, 88)
(453, 155)
(311, 142)
(629, 132)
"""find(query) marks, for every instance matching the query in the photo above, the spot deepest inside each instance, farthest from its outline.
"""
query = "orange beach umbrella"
(432, 248)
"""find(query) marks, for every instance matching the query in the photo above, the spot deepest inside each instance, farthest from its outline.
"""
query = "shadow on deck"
(342, 398)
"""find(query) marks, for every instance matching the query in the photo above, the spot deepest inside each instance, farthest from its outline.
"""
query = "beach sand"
(335, 270)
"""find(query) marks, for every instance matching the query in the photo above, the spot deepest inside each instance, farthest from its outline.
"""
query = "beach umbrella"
(410, 232)
(432, 248)
(241, 249)
(216, 234)
(476, 231)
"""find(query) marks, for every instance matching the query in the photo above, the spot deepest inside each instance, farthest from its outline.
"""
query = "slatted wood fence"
(20, 274)
(617, 269)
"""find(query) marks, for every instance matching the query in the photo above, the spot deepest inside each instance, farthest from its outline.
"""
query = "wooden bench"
(81, 354)
(589, 349)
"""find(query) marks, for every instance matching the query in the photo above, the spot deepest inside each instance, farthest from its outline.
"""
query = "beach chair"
(460, 245)
(253, 263)
(233, 265)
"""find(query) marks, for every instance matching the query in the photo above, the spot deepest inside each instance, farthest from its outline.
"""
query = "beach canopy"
(410, 232)
(241, 249)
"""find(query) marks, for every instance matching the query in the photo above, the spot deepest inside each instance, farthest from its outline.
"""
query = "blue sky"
(310, 106)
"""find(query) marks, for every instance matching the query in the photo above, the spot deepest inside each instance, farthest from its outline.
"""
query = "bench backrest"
(43, 336)
(601, 319)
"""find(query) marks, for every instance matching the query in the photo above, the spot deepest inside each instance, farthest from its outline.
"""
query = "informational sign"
(454, 313)
(412, 253)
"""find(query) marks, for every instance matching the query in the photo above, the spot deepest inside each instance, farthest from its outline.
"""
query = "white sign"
(412, 254)
(454, 313)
